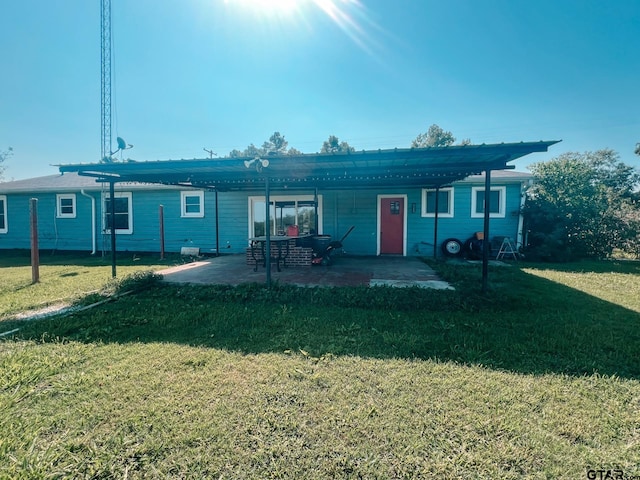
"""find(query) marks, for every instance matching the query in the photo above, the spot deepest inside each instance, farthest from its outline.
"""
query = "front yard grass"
(64, 278)
(538, 379)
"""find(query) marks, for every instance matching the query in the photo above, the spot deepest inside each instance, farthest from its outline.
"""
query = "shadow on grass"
(526, 324)
(586, 266)
(22, 258)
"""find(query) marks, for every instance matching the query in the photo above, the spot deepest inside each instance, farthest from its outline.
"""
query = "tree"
(253, 151)
(334, 145)
(582, 205)
(4, 156)
(235, 153)
(276, 145)
(434, 137)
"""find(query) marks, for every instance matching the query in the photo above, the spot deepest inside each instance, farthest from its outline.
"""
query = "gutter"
(93, 220)
(523, 197)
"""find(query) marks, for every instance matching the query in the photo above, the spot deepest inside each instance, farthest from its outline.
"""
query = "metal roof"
(504, 176)
(68, 182)
(426, 167)
(49, 183)
(72, 182)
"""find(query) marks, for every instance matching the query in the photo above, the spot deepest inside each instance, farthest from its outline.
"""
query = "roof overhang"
(425, 167)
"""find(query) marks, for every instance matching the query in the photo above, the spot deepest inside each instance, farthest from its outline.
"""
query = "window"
(3, 214)
(123, 219)
(445, 202)
(283, 212)
(66, 205)
(192, 204)
(497, 202)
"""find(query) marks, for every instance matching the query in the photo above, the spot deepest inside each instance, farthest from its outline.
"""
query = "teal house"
(400, 202)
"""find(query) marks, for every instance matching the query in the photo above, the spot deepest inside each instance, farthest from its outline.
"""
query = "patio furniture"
(281, 254)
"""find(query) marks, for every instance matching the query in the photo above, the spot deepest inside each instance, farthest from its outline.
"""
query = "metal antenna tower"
(105, 80)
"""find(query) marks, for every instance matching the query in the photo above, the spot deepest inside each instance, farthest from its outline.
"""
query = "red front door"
(392, 225)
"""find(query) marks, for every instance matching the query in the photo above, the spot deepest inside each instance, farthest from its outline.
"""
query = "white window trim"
(4, 212)
(503, 202)
(65, 196)
(448, 214)
(119, 231)
(183, 203)
(282, 198)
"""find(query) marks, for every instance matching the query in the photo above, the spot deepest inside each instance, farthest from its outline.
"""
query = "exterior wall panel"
(353, 208)
(53, 233)
(341, 209)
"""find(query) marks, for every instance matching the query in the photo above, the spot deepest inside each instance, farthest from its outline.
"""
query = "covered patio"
(345, 271)
(434, 167)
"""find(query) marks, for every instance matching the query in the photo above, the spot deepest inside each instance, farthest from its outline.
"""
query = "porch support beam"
(485, 242)
(217, 228)
(267, 225)
(315, 209)
(435, 224)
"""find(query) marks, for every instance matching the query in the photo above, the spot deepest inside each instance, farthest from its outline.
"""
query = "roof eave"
(435, 166)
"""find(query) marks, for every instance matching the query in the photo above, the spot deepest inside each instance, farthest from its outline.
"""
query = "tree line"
(278, 145)
(435, 136)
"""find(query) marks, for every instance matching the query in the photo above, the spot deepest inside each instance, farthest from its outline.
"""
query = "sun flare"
(269, 7)
(350, 16)
(337, 10)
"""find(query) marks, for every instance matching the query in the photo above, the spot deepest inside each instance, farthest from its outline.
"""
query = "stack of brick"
(297, 257)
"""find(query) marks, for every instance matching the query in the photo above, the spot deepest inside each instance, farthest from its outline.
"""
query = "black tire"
(452, 247)
(473, 248)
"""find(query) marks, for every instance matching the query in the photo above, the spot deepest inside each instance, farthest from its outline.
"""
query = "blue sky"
(223, 74)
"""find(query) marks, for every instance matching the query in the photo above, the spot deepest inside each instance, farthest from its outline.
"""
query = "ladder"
(506, 249)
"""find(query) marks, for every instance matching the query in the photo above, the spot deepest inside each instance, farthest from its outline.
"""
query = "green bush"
(582, 206)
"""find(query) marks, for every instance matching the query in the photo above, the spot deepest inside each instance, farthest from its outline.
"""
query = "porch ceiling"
(425, 167)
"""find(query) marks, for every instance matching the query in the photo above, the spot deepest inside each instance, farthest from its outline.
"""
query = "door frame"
(404, 221)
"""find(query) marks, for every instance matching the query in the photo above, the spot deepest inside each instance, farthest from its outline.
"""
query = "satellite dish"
(121, 143)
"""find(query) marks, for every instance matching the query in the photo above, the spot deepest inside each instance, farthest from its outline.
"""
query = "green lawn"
(64, 278)
(538, 379)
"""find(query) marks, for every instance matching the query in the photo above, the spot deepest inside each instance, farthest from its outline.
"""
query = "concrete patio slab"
(344, 271)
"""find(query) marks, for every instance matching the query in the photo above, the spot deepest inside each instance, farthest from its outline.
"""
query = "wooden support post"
(112, 203)
(35, 253)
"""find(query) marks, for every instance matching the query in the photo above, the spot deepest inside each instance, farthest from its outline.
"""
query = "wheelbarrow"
(324, 247)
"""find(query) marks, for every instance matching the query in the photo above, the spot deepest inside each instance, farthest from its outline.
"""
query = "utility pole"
(210, 152)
